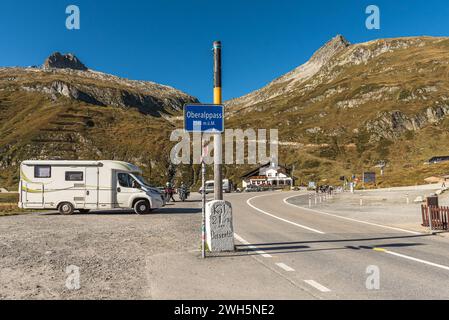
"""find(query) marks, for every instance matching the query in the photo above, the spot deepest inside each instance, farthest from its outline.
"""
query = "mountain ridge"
(59, 111)
(299, 74)
(366, 102)
(341, 113)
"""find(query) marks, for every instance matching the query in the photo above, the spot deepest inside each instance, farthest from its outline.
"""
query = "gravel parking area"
(109, 248)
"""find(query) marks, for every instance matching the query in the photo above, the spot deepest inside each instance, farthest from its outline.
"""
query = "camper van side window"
(74, 176)
(42, 171)
(125, 180)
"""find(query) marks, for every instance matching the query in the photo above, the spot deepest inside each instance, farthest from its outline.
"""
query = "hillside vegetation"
(347, 108)
(70, 114)
(382, 100)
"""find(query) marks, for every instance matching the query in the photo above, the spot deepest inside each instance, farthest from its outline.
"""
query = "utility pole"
(218, 182)
(203, 212)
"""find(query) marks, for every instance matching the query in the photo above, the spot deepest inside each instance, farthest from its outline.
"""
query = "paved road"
(333, 258)
(284, 252)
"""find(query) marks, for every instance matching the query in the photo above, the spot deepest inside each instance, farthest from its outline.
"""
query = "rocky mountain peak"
(329, 49)
(66, 61)
(289, 81)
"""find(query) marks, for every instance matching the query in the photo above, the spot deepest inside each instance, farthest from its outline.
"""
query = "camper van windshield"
(141, 179)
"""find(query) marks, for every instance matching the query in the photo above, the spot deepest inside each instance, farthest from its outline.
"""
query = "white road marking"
(262, 253)
(412, 258)
(350, 219)
(279, 218)
(316, 285)
(285, 267)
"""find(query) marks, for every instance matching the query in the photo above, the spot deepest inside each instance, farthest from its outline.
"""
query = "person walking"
(169, 191)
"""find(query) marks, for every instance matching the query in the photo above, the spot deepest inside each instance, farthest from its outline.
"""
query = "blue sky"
(170, 41)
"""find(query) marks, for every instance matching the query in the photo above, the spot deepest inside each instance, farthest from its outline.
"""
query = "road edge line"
(350, 219)
(254, 248)
(284, 267)
(248, 202)
(317, 285)
(433, 264)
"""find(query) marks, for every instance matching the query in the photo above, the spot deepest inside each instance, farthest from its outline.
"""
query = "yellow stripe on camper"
(26, 179)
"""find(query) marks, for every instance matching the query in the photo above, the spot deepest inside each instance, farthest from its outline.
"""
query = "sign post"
(204, 118)
(203, 212)
(217, 225)
(218, 180)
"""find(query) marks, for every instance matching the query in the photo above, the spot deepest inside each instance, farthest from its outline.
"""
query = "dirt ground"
(109, 248)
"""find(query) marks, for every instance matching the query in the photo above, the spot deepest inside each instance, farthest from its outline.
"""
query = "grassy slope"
(409, 69)
(32, 126)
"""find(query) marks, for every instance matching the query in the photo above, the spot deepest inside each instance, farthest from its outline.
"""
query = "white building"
(270, 175)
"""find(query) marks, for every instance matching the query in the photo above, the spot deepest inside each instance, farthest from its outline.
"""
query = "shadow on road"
(342, 240)
(165, 210)
(302, 246)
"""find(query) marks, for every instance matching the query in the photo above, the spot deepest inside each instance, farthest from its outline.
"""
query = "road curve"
(337, 258)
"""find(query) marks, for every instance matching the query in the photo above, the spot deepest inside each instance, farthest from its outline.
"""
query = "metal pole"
(218, 182)
(203, 223)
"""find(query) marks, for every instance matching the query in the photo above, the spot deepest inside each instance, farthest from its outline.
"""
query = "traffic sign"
(203, 117)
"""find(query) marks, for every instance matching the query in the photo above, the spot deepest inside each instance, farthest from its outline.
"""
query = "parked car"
(252, 188)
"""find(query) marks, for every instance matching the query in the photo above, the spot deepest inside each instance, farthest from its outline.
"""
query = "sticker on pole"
(203, 118)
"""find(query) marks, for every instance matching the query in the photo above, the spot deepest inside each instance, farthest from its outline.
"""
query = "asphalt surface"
(333, 258)
(283, 252)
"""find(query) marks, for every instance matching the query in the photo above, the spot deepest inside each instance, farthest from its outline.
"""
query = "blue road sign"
(203, 117)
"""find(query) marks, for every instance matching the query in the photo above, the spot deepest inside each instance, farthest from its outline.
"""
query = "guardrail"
(435, 217)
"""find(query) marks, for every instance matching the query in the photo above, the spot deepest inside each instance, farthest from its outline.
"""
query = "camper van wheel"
(142, 207)
(66, 208)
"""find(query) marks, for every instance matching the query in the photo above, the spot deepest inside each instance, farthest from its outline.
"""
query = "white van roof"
(212, 181)
(61, 163)
(113, 164)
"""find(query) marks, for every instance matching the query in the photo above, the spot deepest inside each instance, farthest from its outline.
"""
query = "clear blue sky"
(169, 41)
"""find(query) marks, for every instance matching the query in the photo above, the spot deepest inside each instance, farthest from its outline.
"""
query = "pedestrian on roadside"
(169, 191)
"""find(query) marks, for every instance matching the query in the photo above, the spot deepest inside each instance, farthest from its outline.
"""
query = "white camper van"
(227, 186)
(85, 185)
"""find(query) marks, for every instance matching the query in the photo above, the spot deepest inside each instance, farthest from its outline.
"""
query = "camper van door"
(33, 195)
(92, 188)
(124, 189)
(32, 192)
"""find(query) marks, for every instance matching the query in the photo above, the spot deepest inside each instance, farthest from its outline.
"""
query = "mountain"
(347, 109)
(287, 82)
(66, 61)
(63, 110)
(353, 105)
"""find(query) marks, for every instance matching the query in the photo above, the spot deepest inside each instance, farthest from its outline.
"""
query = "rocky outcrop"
(66, 61)
(96, 88)
(391, 125)
(145, 103)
